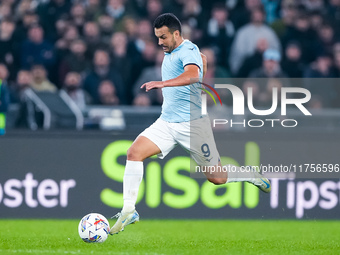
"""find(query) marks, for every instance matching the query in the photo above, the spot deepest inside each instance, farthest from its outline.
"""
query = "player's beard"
(172, 46)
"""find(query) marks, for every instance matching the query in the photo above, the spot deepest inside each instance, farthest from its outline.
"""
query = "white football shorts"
(194, 136)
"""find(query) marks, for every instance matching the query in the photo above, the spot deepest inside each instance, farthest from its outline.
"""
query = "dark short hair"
(220, 6)
(169, 20)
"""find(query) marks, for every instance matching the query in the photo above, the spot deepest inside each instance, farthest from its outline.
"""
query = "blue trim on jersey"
(192, 64)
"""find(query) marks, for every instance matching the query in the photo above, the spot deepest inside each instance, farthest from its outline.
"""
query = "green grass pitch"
(175, 237)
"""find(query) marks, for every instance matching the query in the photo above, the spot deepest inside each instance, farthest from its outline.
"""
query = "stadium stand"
(108, 45)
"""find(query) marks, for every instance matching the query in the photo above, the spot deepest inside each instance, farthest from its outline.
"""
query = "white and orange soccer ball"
(93, 228)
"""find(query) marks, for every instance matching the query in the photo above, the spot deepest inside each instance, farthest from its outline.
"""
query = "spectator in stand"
(289, 14)
(8, 45)
(23, 82)
(321, 67)
(23, 7)
(292, 63)
(324, 93)
(107, 93)
(72, 86)
(187, 32)
(326, 38)
(50, 12)
(117, 10)
(106, 27)
(103, 71)
(305, 35)
(92, 38)
(140, 45)
(231, 4)
(121, 61)
(62, 50)
(153, 97)
(144, 32)
(241, 15)
(193, 15)
(313, 5)
(5, 11)
(175, 7)
(147, 59)
(40, 81)
(192, 9)
(61, 26)
(271, 66)
(316, 20)
(333, 11)
(94, 9)
(247, 37)
(78, 16)
(25, 22)
(131, 28)
(71, 34)
(75, 60)
(214, 70)
(154, 8)
(254, 61)
(220, 33)
(27, 109)
(11, 3)
(37, 50)
(142, 99)
(271, 9)
(63, 44)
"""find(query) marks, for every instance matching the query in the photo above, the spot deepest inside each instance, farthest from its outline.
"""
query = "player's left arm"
(189, 76)
(205, 64)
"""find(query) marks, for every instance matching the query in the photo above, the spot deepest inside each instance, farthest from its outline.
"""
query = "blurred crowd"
(101, 51)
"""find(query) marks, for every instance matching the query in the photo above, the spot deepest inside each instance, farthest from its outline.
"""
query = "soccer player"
(182, 69)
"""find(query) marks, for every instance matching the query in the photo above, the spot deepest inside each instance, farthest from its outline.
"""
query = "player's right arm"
(191, 59)
(190, 75)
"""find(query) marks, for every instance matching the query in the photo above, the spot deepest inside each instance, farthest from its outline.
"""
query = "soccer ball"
(93, 228)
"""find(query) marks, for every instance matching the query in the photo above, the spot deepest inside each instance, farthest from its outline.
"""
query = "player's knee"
(217, 181)
(133, 155)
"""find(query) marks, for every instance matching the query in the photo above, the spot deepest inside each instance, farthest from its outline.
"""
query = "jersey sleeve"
(191, 56)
